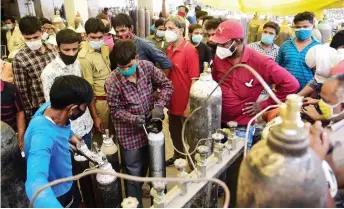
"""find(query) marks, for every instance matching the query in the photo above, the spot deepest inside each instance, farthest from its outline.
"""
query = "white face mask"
(45, 36)
(34, 45)
(171, 36)
(223, 53)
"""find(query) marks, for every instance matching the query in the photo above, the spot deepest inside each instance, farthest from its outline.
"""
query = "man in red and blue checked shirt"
(130, 96)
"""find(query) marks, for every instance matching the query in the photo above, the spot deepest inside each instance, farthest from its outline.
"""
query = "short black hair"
(159, 22)
(67, 36)
(29, 25)
(102, 16)
(337, 40)
(272, 25)
(160, 15)
(13, 20)
(106, 9)
(126, 51)
(194, 27)
(212, 24)
(121, 20)
(304, 16)
(94, 25)
(186, 9)
(45, 21)
(201, 13)
(70, 89)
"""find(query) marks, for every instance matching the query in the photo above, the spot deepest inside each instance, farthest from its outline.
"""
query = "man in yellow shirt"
(95, 66)
(15, 40)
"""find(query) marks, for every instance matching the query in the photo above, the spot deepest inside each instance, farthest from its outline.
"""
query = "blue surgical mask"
(267, 39)
(160, 33)
(303, 33)
(129, 72)
(197, 39)
(96, 44)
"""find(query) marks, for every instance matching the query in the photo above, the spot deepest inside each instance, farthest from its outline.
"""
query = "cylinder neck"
(290, 136)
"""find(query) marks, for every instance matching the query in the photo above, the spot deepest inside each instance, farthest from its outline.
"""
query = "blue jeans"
(241, 132)
(88, 139)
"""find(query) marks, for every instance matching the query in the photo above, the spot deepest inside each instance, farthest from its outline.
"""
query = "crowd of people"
(86, 81)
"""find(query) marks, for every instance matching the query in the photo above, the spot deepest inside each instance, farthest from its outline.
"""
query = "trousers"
(135, 162)
(175, 127)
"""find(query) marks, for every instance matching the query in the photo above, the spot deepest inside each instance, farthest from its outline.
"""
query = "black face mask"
(79, 114)
(68, 60)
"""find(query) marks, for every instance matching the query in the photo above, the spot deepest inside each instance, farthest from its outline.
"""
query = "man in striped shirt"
(12, 110)
(292, 53)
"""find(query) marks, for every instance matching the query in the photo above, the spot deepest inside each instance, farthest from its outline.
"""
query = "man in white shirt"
(15, 40)
(67, 64)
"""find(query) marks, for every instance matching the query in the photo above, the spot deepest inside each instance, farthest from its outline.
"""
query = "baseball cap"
(227, 30)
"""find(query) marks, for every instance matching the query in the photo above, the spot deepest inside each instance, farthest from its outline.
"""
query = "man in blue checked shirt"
(146, 50)
(292, 53)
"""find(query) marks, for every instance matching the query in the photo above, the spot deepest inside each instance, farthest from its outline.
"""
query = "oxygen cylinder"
(260, 29)
(147, 22)
(109, 149)
(13, 170)
(325, 29)
(156, 147)
(285, 33)
(208, 119)
(97, 155)
(136, 11)
(244, 22)
(253, 29)
(85, 184)
(107, 188)
(141, 32)
(283, 168)
(316, 34)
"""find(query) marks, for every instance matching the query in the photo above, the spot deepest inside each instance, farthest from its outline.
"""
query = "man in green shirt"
(158, 39)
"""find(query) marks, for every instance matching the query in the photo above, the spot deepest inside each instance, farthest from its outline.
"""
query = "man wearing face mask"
(123, 25)
(292, 53)
(46, 143)
(15, 40)
(185, 72)
(108, 39)
(204, 54)
(331, 105)
(130, 96)
(29, 63)
(266, 45)
(67, 64)
(240, 90)
(158, 39)
(183, 12)
(210, 28)
(95, 67)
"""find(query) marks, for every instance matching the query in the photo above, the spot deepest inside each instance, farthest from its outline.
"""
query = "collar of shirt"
(272, 47)
(162, 39)
(2, 85)
(294, 43)
(180, 47)
(63, 65)
(336, 126)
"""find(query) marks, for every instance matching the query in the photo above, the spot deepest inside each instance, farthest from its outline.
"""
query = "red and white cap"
(228, 30)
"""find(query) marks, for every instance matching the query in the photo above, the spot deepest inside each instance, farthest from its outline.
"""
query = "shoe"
(170, 162)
